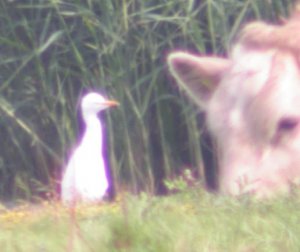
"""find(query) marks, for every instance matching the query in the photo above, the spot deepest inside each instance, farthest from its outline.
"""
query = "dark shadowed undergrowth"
(189, 221)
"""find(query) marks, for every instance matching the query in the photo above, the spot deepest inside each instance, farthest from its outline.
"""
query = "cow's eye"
(286, 124)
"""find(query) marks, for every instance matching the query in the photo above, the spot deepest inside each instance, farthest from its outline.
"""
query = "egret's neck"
(93, 131)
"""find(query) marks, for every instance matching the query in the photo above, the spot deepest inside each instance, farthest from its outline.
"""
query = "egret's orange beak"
(111, 103)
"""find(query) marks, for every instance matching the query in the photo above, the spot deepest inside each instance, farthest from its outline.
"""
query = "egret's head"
(92, 103)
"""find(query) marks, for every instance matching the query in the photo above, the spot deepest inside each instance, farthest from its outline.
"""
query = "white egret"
(85, 177)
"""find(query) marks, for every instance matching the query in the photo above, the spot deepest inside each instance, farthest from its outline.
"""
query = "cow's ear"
(198, 76)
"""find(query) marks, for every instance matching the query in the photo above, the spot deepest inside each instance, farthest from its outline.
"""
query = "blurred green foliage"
(52, 50)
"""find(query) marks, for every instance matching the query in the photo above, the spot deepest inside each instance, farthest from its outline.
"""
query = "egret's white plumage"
(85, 177)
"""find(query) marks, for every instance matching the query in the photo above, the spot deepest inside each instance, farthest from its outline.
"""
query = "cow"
(251, 100)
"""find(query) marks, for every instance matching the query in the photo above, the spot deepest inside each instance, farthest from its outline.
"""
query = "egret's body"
(85, 177)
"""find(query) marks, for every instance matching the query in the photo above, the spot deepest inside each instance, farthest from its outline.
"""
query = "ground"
(191, 220)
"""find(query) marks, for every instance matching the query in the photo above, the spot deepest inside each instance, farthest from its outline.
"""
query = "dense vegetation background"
(52, 51)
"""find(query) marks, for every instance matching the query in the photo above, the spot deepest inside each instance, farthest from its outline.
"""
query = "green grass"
(189, 221)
